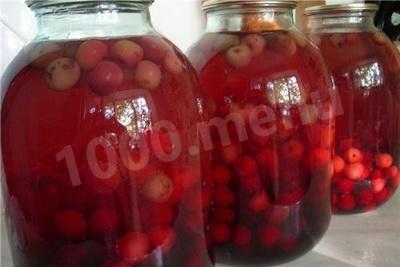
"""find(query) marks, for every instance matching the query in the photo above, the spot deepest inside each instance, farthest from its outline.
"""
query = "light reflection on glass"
(286, 90)
(134, 115)
(368, 76)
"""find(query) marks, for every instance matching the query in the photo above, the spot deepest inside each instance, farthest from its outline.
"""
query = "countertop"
(365, 240)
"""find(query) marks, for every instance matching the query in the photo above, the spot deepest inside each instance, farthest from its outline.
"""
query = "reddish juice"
(366, 68)
(95, 137)
(272, 170)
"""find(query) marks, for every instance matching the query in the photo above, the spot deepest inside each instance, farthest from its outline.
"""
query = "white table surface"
(366, 240)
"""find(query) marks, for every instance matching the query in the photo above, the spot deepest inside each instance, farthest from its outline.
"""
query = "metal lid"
(332, 9)
(220, 4)
(29, 3)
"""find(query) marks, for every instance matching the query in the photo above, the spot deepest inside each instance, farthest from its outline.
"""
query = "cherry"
(157, 214)
(250, 183)
(70, 224)
(288, 243)
(382, 196)
(383, 161)
(154, 47)
(285, 45)
(221, 174)
(224, 214)
(346, 202)
(158, 188)
(354, 171)
(338, 164)
(134, 247)
(378, 185)
(353, 155)
(229, 154)
(256, 43)
(393, 172)
(239, 56)
(172, 63)
(241, 236)
(163, 237)
(267, 160)
(105, 78)
(90, 53)
(259, 202)
(277, 215)
(246, 166)
(99, 184)
(345, 186)
(62, 73)
(223, 196)
(293, 150)
(365, 198)
(289, 198)
(148, 75)
(220, 233)
(319, 157)
(270, 236)
(103, 221)
(127, 51)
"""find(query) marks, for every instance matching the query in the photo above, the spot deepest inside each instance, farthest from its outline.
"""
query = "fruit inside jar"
(95, 136)
(365, 66)
(272, 126)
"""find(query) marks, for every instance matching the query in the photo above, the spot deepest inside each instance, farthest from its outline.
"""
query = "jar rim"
(30, 3)
(219, 4)
(340, 8)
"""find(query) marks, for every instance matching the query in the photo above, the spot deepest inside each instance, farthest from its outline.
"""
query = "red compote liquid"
(366, 70)
(272, 169)
(95, 139)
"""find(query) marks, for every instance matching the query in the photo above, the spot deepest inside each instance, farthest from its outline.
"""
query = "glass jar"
(97, 118)
(269, 99)
(366, 67)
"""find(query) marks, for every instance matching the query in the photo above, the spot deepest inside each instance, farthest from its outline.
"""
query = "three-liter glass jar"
(97, 117)
(366, 70)
(269, 99)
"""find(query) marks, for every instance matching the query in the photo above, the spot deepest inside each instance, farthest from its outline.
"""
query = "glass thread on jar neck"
(341, 22)
(71, 21)
(234, 19)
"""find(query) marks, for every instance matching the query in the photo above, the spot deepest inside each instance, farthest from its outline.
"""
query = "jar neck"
(343, 22)
(95, 19)
(240, 20)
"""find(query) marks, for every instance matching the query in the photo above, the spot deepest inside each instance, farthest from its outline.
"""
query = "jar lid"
(333, 9)
(29, 3)
(217, 4)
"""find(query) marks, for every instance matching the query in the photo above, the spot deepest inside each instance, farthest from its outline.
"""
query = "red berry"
(345, 186)
(154, 47)
(382, 196)
(338, 164)
(354, 171)
(241, 236)
(319, 157)
(393, 172)
(62, 74)
(133, 247)
(250, 183)
(293, 150)
(277, 215)
(378, 185)
(70, 224)
(353, 155)
(157, 214)
(163, 237)
(383, 161)
(259, 202)
(239, 56)
(148, 75)
(346, 202)
(246, 166)
(127, 51)
(286, 198)
(103, 221)
(105, 78)
(377, 174)
(220, 233)
(267, 161)
(101, 185)
(158, 188)
(229, 154)
(288, 244)
(365, 198)
(223, 196)
(221, 175)
(90, 53)
(172, 63)
(270, 236)
(223, 214)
